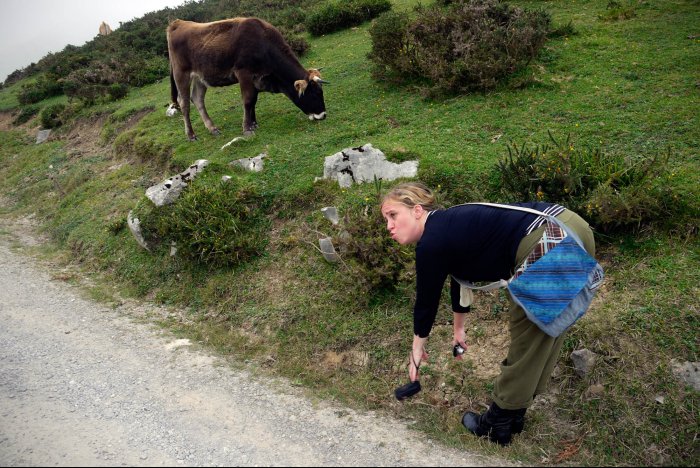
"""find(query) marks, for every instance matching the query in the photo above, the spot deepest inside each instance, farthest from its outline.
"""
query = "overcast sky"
(30, 29)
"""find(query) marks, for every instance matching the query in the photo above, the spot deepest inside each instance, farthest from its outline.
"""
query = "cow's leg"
(249, 94)
(182, 81)
(199, 90)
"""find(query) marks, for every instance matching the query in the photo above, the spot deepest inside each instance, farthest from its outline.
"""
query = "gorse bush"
(611, 190)
(216, 226)
(25, 114)
(344, 14)
(375, 259)
(52, 116)
(44, 87)
(463, 46)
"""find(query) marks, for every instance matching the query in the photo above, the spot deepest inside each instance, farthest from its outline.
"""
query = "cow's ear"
(314, 74)
(300, 86)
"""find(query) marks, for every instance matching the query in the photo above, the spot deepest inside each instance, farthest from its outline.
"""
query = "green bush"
(467, 45)
(614, 192)
(342, 15)
(25, 113)
(117, 91)
(376, 261)
(217, 226)
(52, 116)
(298, 44)
(44, 87)
(392, 52)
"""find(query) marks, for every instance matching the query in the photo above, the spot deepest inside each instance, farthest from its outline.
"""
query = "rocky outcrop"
(105, 30)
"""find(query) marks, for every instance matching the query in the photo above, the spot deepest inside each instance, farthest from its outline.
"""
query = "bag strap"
(504, 283)
(549, 217)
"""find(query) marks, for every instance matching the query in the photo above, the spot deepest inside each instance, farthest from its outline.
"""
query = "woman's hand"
(459, 336)
(417, 356)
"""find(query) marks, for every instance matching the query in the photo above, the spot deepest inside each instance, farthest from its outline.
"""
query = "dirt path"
(85, 385)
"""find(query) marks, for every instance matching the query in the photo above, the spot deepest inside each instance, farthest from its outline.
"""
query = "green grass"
(628, 86)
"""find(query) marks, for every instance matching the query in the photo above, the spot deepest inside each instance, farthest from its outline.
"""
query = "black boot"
(516, 427)
(496, 423)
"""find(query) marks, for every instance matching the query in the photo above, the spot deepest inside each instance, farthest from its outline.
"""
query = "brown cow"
(248, 51)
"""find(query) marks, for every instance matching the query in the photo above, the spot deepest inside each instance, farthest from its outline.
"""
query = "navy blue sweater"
(471, 242)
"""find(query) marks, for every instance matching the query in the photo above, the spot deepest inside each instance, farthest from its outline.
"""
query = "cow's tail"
(173, 90)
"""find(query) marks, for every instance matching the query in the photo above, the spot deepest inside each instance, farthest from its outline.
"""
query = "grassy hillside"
(628, 86)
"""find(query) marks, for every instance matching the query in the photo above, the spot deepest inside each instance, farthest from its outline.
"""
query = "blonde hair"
(412, 194)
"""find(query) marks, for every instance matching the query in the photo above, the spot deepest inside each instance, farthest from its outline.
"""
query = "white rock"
(250, 164)
(328, 250)
(135, 228)
(42, 136)
(363, 164)
(331, 214)
(169, 190)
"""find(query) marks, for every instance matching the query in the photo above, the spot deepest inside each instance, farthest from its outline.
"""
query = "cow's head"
(309, 95)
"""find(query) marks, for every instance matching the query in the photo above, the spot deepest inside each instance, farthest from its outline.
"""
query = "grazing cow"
(248, 51)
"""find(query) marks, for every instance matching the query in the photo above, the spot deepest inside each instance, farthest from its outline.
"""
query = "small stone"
(331, 214)
(328, 250)
(42, 136)
(595, 390)
(583, 360)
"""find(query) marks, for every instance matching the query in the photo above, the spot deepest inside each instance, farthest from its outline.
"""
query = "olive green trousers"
(532, 353)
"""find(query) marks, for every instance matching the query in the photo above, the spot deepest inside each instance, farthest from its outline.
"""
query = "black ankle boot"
(496, 423)
(516, 427)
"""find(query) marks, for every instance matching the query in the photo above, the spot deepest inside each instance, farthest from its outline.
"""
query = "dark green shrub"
(298, 44)
(44, 87)
(139, 71)
(392, 52)
(612, 191)
(89, 84)
(25, 113)
(470, 44)
(376, 261)
(218, 226)
(333, 17)
(52, 116)
(117, 91)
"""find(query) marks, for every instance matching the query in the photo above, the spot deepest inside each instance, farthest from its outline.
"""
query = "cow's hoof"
(248, 133)
(216, 131)
(192, 138)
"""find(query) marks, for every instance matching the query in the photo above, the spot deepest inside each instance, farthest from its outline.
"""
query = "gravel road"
(82, 384)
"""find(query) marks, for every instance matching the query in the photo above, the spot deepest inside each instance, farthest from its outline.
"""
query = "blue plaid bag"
(556, 289)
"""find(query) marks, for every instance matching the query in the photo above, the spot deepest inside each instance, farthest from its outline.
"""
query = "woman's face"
(403, 223)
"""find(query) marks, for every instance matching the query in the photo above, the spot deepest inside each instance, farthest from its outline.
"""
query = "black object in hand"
(408, 390)
(457, 350)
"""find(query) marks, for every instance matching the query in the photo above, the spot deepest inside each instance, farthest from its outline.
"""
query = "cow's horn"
(318, 79)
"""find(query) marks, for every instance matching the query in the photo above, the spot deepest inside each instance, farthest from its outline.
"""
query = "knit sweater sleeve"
(430, 278)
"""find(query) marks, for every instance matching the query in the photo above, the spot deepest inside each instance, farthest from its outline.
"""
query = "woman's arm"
(459, 336)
